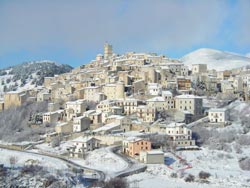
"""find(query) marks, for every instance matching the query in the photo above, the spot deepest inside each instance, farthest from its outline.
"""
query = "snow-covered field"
(222, 166)
(59, 150)
(26, 158)
(103, 159)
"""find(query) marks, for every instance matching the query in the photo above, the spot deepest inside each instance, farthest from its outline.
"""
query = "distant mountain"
(215, 59)
(29, 74)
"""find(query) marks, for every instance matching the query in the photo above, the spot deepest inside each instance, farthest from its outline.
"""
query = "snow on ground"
(62, 149)
(103, 159)
(215, 59)
(158, 176)
(211, 102)
(223, 167)
(134, 133)
(23, 158)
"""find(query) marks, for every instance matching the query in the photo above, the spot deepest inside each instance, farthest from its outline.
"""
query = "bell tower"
(108, 51)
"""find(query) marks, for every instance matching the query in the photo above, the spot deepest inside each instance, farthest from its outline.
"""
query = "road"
(101, 175)
(131, 167)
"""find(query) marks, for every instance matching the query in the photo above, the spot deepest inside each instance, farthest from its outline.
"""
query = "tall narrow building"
(108, 51)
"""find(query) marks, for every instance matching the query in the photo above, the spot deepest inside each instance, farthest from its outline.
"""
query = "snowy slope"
(215, 59)
(29, 75)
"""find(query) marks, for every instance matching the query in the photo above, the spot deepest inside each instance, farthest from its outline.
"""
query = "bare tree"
(55, 142)
(13, 160)
(14, 122)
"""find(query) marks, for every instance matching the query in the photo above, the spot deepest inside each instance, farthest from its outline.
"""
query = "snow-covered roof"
(141, 106)
(156, 99)
(92, 87)
(89, 112)
(155, 152)
(133, 139)
(167, 93)
(76, 102)
(107, 127)
(173, 125)
(55, 112)
(116, 107)
(116, 117)
(79, 118)
(217, 110)
(61, 124)
(187, 97)
(83, 139)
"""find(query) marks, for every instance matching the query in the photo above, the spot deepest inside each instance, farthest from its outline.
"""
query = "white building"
(81, 145)
(168, 96)
(81, 123)
(152, 157)
(199, 68)
(53, 117)
(190, 103)
(158, 103)
(91, 93)
(180, 135)
(154, 89)
(75, 108)
(218, 115)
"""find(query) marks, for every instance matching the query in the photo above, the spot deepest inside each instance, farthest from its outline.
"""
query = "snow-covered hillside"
(29, 75)
(215, 59)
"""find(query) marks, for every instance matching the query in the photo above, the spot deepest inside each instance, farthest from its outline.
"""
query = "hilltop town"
(143, 116)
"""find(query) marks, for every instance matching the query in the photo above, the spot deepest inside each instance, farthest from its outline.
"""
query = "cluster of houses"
(115, 94)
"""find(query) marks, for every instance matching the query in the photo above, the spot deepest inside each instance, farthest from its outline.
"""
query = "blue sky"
(73, 32)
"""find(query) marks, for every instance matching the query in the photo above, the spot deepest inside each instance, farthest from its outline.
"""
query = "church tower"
(108, 51)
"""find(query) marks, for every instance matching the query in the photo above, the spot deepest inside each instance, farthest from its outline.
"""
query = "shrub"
(237, 148)
(173, 175)
(244, 163)
(55, 142)
(204, 181)
(49, 180)
(204, 175)
(189, 178)
(3, 171)
(244, 140)
(116, 183)
(31, 169)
